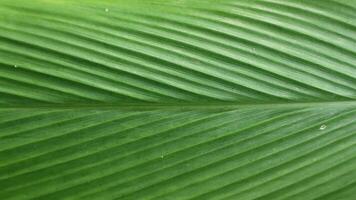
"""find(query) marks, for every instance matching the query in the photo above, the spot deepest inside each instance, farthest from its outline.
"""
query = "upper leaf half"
(92, 52)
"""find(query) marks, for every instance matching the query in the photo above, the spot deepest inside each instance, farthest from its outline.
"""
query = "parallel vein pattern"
(235, 51)
(175, 155)
(178, 100)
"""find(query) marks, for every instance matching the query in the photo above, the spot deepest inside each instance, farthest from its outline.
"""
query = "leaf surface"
(215, 99)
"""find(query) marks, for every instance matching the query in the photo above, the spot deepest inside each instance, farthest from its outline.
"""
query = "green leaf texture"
(178, 99)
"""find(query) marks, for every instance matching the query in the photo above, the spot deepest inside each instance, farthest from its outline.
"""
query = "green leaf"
(178, 99)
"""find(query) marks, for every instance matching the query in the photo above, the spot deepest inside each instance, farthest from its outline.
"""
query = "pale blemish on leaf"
(322, 127)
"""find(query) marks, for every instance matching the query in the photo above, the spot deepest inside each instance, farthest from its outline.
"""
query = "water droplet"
(106, 9)
(162, 156)
(322, 127)
(15, 66)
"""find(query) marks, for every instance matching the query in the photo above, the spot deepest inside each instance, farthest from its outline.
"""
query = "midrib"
(181, 106)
